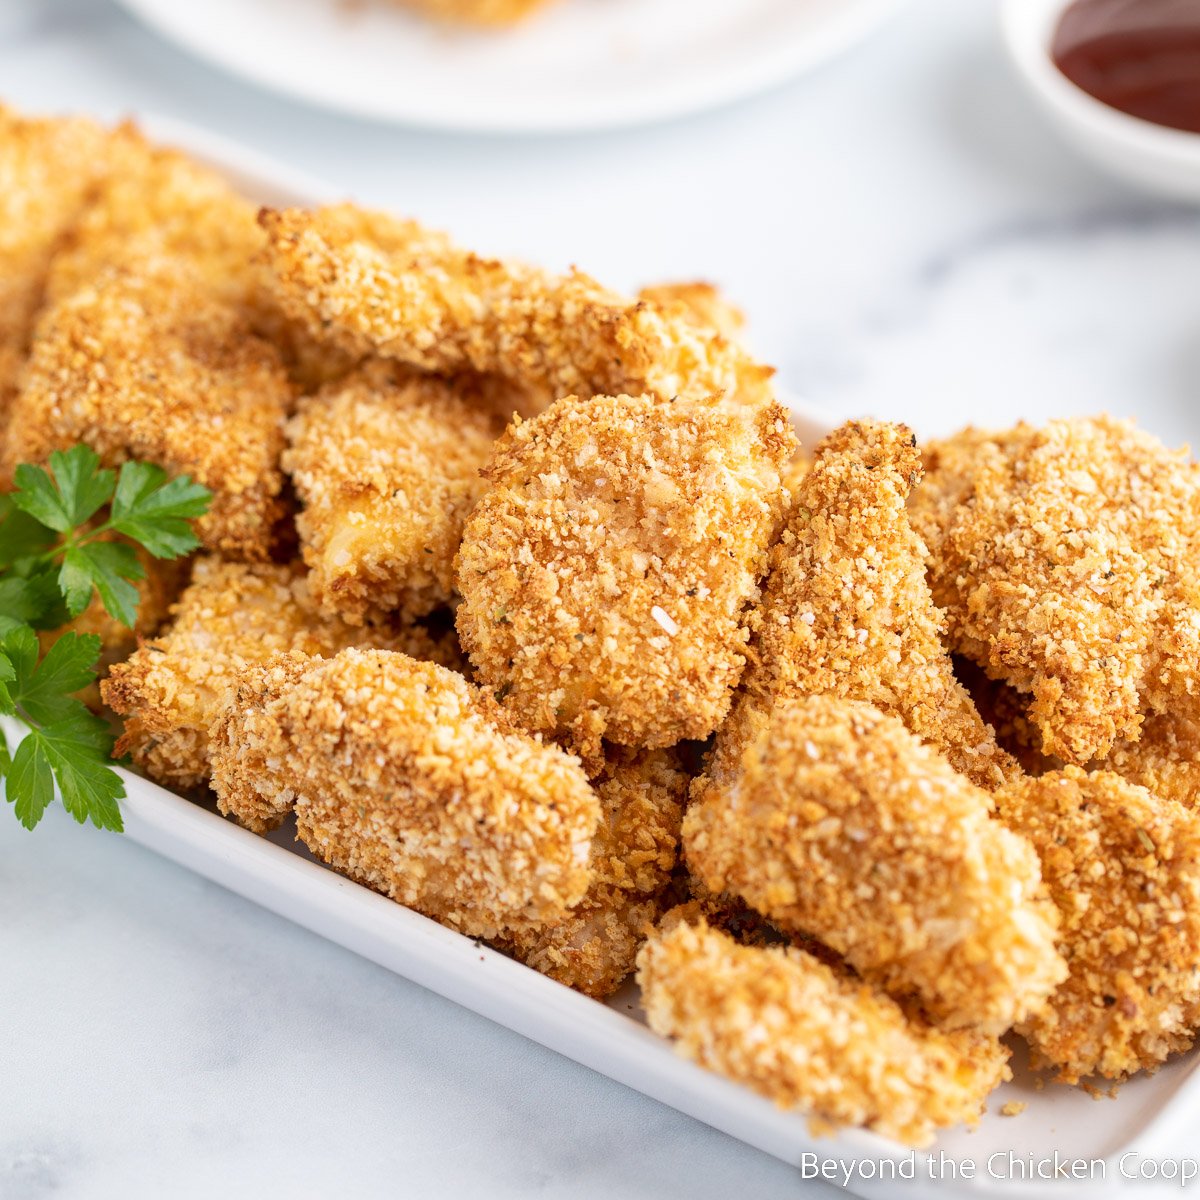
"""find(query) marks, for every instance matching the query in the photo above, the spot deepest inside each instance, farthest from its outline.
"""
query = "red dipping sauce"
(1139, 56)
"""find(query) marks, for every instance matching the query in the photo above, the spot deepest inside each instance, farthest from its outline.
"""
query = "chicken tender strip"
(1123, 867)
(1072, 571)
(231, 616)
(841, 824)
(387, 466)
(593, 949)
(371, 285)
(147, 364)
(788, 1026)
(1165, 759)
(47, 169)
(410, 780)
(701, 303)
(476, 12)
(606, 572)
(846, 609)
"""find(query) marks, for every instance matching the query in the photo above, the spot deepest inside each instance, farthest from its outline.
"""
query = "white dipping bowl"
(1161, 160)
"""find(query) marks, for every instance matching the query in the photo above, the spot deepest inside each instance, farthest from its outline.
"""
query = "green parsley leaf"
(46, 691)
(20, 534)
(69, 494)
(29, 785)
(76, 749)
(106, 566)
(153, 510)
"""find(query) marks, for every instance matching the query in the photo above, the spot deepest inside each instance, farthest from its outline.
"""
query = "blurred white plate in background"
(578, 65)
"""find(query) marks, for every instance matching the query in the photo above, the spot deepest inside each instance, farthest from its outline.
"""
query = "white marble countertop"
(908, 240)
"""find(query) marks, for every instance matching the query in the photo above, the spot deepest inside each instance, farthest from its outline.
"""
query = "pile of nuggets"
(519, 596)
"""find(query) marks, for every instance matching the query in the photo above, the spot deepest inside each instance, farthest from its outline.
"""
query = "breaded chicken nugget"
(1007, 711)
(47, 170)
(1071, 569)
(161, 201)
(231, 616)
(387, 466)
(605, 573)
(788, 1026)
(701, 303)
(843, 825)
(145, 363)
(410, 780)
(593, 948)
(1165, 759)
(846, 609)
(1123, 867)
(371, 285)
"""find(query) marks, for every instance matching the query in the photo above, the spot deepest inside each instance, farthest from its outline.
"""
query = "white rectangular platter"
(1152, 1118)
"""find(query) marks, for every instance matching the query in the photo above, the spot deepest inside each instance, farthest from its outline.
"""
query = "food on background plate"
(481, 13)
(603, 498)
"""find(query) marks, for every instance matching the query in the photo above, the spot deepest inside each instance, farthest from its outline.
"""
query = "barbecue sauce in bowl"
(1139, 56)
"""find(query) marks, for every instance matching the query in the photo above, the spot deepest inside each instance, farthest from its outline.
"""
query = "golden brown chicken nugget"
(372, 285)
(606, 572)
(412, 781)
(1123, 867)
(702, 303)
(846, 609)
(1071, 569)
(386, 465)
(841, 824)
(787, 1025)
(231, 616)
(594, 947)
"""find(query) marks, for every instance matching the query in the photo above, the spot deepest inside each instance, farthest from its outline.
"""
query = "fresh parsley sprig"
(54, 557)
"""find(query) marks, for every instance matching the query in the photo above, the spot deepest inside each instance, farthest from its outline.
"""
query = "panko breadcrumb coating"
(593, 948)
(373, 285)
(605, 573)
(387, 467)
(155, 200)
(1123, 867)
(1007, 711)
(47, 170)
(846, 609)
(231, 616)
(144, 363)
(785, 1024)
(701, 303)
(841, 824)
(476, 12)
(1069, 569)
(1165, 759)
(412, 781)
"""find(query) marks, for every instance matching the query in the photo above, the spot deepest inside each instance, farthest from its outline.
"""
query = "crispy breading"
(1070, 570)
(1165, 759)
(231, 616)
(476, 12)
(146, 363)
(1123, 867)
(702, 303)
(1007, 711)
(412, 781)
(47, 170)
(593, 948)
(606, 572)
(846, 609)
(841, 824)
(387, 467)
(370, 284)
(787, 1025)
(155, 200)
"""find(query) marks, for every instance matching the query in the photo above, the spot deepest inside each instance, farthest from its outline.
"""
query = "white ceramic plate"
(1152, 1117)
(580, 64)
